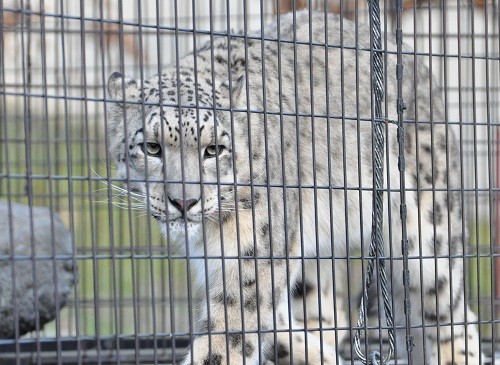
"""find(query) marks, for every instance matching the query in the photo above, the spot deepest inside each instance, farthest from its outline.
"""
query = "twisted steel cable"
(376, 251)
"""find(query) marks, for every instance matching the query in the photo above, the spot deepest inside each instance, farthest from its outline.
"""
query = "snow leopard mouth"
(186, 218)
(180, 220)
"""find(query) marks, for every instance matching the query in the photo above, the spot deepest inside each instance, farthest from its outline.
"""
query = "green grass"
(480, 273)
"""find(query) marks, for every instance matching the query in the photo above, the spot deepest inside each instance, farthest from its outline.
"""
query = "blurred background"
(55, 59)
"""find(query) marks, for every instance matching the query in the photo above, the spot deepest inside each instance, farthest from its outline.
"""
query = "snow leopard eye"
(151, 149)
(213, 150)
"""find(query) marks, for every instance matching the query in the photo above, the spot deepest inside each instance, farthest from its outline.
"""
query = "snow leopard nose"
(183, 205)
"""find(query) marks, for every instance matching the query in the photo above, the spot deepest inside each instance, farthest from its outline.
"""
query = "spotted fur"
(218, 147)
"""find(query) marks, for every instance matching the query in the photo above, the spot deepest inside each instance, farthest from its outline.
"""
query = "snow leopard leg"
(238, 309)
(453, 332)
(237, 316)
(321, 345)
(439, 333)
(446, 334)
(443, 332)
(323, 295)
(299, 346)
(243, 339)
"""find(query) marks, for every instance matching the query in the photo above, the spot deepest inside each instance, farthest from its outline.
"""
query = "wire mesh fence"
(130, 286)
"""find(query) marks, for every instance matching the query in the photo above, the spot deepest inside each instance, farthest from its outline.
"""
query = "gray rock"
(38, 277)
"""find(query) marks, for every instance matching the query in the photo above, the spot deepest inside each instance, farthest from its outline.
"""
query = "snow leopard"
(254, 155)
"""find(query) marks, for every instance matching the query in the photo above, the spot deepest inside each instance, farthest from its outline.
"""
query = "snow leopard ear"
(118, 84)
(234, 90)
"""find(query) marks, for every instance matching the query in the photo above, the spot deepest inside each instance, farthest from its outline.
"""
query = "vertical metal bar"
(491, 168)
(171, 283)
(267, 171)
(219, 196)
(448, 166)
(476, 183)
(330, 183)
(402, 181)
(109, 184)
(360, 180)
(299, 171)
(250, 159)
(202, 182)
(268, 183)
(27, 66)
(461, 148)
(447, 162)
(221, 257)
(123, 234)
(181, 147)
(496, 277)
(27, 83)
(496, 199)
(235, 177)
(56, 113)
(133, 265)
(345, 185)
(205, 249)
(5, 142)
(433, 182)
(318, 258)
(183, 177)
(53, 252)
(417, 191)
(285, 182)
(149, 233)
(95, 262)
(93, 227)
(71, 204)
(27, 120)
(475, 192)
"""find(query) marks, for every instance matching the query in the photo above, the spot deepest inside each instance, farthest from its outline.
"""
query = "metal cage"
(132, 299)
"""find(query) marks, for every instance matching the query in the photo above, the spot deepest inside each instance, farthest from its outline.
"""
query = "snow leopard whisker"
(123, 191)
(131, 206)
(210, 218)
(120, 195)
(122, 199)
(121, 205)
(140, 216)
(239, 209)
